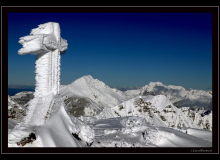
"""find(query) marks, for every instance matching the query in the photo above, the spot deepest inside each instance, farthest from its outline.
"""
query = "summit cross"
(46, 43)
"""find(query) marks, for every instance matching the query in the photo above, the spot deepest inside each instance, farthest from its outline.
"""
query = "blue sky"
(121, 49)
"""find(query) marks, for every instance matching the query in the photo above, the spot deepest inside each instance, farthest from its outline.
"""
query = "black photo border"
(184, 9)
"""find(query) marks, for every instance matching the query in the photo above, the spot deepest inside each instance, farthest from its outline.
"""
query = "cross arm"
(45, 38)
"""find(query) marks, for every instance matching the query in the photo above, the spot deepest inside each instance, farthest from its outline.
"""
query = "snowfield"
(136, 132)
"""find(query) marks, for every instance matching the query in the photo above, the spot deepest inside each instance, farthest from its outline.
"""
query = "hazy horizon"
(122, 88)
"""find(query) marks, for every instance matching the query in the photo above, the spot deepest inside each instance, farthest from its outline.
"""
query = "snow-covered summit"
(95, 90)
(89, 80)
(155, 83)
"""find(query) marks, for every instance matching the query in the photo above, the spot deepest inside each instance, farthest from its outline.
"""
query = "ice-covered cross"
(46, 43)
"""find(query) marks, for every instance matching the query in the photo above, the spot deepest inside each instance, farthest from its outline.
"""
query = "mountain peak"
(89, 81)
(88, 77)
(155, 83)
(83, 79)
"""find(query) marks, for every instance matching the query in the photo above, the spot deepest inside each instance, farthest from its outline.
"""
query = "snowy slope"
(203, 134)
(57, 131)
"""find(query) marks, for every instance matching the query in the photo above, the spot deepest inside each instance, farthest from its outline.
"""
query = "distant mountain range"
(178, 95)
(103, 95)
(168, 106)
(15, 86)
(90, 97)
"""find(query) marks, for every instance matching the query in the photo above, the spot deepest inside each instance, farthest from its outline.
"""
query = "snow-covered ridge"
(23, 93)
(95, 90)
(158, 110)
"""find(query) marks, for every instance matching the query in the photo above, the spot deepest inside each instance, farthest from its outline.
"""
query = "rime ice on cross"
(45, 42)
